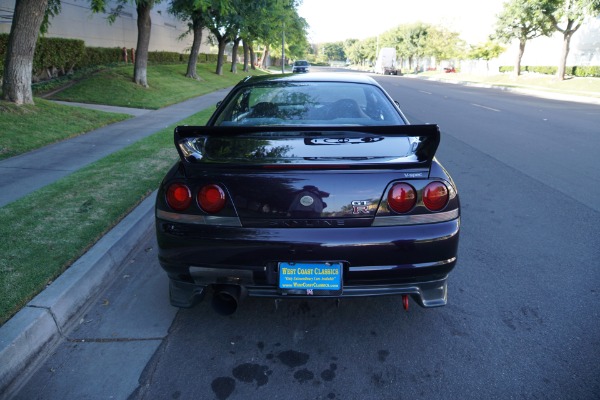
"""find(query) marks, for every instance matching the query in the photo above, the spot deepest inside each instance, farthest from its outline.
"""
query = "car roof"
(347, 77)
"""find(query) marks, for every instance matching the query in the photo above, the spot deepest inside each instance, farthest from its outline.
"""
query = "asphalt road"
(523, 319)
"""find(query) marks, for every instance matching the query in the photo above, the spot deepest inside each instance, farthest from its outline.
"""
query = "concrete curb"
(26, 337)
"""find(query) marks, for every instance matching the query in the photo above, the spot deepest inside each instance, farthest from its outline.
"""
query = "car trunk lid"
(294, 177)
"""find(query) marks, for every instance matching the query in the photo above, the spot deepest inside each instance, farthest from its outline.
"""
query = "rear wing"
(194, 142)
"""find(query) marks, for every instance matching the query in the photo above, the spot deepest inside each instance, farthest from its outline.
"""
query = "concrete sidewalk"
(27, 337)
(31, 171)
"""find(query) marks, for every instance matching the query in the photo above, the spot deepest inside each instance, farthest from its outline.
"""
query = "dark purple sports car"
(307, 186)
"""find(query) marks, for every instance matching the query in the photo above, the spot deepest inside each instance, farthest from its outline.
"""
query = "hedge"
(587, 71)
(57, 56)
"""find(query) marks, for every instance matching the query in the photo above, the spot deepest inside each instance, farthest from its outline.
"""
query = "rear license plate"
(311, 278)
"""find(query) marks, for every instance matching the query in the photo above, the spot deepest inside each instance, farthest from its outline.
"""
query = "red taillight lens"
(435, 196)
(211, 198)
(179, 197)
(402, 197)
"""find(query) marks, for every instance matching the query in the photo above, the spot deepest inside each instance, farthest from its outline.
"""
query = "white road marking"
(487, 108)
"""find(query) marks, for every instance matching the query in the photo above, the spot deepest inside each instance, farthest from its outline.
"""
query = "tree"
(29, 17)
(334, 51)
(353, 50)
(144, 24)
(485, 51)
(522, 20)
(411, 42)
(272, 18)
(234, 51)
(192, 10)
(222, 23)
(571, 14)
(443, 44)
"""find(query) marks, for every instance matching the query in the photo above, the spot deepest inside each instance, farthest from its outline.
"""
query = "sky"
(335, 20)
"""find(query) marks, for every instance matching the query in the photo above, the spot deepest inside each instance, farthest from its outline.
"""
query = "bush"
(165, 57)
(56, 56)
(542, 70)
(590, 71)
(95, 56)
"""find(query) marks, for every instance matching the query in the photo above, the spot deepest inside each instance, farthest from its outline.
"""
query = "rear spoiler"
(427, 136)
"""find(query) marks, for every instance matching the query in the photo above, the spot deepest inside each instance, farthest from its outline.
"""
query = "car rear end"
(367, 208)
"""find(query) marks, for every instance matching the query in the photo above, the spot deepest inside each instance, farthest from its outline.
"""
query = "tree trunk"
(252, 56)
(265, 57)
(18, 64)
(222, 43)
(567, 35)
(236, 45)
(246, 55)
(517, 69)
(193, 60)
(144, 24)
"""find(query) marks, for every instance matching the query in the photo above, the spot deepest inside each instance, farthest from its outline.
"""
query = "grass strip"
(589, 87)
(28, 127)
(167, 85)
(45, 232)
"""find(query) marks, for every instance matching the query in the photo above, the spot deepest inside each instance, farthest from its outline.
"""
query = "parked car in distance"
(300, 66)
(307, 186)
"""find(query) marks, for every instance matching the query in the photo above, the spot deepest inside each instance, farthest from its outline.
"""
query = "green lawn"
(576, 86)
(25, 128)
(167, 85)
(45, 232)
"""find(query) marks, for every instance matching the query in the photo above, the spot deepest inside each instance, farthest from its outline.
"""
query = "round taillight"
(211, 198)
(402, 197)
(179, 196)
(435, 196)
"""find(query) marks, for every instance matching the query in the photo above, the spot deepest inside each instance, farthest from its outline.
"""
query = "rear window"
(301, 63)
(310, 103)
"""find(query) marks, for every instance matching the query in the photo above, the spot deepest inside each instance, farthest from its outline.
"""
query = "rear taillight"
(179, 196)
(211, 198)
(435, 196)
(402, 197)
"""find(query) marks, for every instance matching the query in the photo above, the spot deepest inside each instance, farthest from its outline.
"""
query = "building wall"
(76, 21)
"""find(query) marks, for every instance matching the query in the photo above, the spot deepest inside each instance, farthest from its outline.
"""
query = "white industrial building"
(77, 21)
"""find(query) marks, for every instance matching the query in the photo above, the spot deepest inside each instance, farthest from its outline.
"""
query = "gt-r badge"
(360, 207)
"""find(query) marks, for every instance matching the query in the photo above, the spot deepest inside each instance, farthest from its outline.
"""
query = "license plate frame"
(311, 278)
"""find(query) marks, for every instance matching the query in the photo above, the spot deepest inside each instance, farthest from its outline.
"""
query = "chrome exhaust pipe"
(226, 298)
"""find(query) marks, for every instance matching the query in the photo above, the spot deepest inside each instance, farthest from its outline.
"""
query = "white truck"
(386, 62)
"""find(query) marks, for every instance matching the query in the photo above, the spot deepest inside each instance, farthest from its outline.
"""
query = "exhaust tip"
(226, 299)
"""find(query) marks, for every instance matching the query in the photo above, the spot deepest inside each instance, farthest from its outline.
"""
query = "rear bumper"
(412, 260)
(426, 294)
